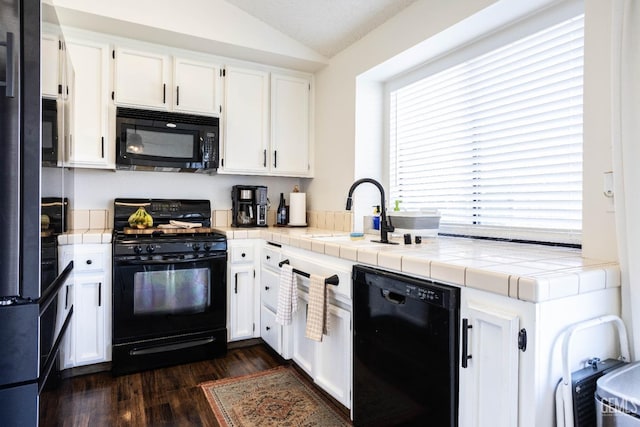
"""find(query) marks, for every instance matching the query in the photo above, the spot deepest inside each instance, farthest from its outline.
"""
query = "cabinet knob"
(266, 288)
(268, 257)
(243, 255)
(268, 328)
(89, 262)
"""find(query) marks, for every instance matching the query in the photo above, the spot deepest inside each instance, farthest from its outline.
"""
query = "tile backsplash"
(89, 219)
(329, 220)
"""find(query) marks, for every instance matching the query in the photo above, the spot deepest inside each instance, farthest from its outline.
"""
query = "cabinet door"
(50, 51)
(142, 79)
(90, 145)
(303, 349)
(195, 87)
(246, 121)
(489, 385)
(65, 302)
(270, 330)
(290, 125)
(89, 319)
(332, 368)
(242, 299)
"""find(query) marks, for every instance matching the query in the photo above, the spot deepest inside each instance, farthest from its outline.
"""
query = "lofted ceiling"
(326, 26)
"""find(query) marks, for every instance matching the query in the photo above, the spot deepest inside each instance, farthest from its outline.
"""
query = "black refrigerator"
(30, 331)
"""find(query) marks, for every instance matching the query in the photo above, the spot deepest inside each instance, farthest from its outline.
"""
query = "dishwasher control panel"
(434, 296)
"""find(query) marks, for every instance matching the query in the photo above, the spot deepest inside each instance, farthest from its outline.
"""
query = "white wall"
(407, 36)
(336, 89)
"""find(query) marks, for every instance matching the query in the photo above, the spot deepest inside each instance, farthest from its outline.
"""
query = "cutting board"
(152, 230)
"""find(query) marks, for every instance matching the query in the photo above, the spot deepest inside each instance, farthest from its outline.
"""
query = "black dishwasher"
(405, 349)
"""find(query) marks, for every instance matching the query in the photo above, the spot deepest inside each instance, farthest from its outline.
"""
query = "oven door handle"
(169, 260)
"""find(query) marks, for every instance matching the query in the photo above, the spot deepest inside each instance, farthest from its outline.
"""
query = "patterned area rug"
(276, 397)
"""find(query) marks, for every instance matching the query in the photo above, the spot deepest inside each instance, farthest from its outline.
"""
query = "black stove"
(169, 286)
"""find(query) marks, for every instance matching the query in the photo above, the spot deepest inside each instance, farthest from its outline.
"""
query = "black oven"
(169, 287)
(49, 132)
(158, 140)
(167, 308)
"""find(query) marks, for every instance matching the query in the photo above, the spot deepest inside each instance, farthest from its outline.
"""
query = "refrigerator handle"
(11, 67)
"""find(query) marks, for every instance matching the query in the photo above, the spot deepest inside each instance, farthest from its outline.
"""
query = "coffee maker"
(249, 206)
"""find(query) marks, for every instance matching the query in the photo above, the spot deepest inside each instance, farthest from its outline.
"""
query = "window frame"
(493, 39)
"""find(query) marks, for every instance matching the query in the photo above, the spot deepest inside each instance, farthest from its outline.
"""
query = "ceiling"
(326, 26)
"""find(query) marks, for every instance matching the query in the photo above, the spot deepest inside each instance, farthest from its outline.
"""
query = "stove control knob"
(207, 246)
(151, 248)
(137, 249)
(195, 246)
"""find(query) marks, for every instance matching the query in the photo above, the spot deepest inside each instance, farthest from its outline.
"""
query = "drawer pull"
(268, 257)
(268, 328)
(89, 262)
(266, 288)
(243, 255)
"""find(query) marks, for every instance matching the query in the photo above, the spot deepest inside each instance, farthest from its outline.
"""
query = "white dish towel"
(317, 315)
(287, 295)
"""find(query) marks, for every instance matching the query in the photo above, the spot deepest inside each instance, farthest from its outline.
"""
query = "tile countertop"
(527, 272)
(76, 237)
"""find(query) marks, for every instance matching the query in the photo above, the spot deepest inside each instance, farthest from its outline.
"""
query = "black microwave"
(49, 132)
(158, 140)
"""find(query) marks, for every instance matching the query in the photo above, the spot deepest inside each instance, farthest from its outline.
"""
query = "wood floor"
(162, 397)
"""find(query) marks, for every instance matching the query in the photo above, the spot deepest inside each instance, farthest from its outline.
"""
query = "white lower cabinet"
(332, 363)
(88, 339)
(243, 298)
(491, 373)
(273, 333)
(506, 384)
(328, 361)
(302, 348)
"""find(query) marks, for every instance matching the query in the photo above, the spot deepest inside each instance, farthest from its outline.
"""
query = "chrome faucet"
(385, 223)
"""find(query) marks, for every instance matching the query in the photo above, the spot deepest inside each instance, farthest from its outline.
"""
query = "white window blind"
(495, 143)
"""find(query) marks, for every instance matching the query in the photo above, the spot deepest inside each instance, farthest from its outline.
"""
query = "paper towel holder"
(297, 208)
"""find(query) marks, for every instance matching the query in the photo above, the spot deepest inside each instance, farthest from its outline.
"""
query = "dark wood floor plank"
(168, 396)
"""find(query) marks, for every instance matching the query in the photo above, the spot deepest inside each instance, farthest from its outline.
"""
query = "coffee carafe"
(249, 206)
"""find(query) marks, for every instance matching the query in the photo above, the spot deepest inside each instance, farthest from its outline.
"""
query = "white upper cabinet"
(50, 51)
(267, 123)
(91, 145)
(290, 125)
(158, 81)
(246, 121)
(195, 87)
(142, 79)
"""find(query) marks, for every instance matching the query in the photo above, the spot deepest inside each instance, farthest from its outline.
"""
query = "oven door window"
(171, 291)
(175, 144)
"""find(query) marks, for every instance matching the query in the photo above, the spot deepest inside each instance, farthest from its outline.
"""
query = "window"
(495, 142)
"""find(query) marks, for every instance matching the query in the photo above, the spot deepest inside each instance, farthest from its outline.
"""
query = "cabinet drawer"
(271, 258)
(241, 254)
(269, 289)
(270, 331)
(89, 261)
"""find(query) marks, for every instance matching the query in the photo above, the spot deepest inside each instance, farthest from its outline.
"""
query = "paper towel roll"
(297, 209)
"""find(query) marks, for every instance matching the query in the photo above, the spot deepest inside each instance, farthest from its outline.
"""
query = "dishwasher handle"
(393, 297)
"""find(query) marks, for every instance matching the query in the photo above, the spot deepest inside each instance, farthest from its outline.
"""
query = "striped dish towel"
(317, 315)
(287, 295)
